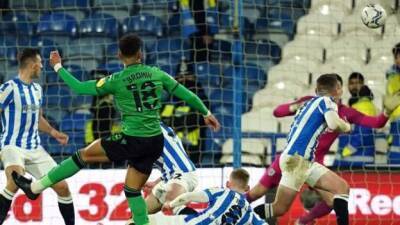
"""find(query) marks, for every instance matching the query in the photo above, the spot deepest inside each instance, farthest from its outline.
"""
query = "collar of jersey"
(18, 80)
(135, 64)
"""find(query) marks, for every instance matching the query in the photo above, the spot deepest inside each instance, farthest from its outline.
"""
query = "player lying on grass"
(225, 206)
(177, 175)
(137, 91)
(273, 173)
(297, 160)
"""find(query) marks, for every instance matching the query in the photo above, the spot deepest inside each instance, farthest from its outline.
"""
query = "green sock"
(65, 169)
(137, 205)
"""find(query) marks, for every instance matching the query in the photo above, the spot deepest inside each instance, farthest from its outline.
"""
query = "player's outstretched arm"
(289, 109)
(83, 88)
(356, 117)
(183, 199)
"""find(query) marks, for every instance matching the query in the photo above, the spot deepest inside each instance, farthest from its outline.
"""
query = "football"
(373, 16)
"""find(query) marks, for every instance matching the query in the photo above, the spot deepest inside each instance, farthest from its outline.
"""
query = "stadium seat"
(8, 53)
(251, 121)
(115, 4)
(28, 5)
(88, 64)
(392, 25)
(337, 8)
(84, 48)
(76, 8)
(59, 26)
(99, 25)
(309, 64)
(220, 51)
(253, 146)
(303, 49)
(285, 123)
(173, 26)
(81, 102)
(319, 25)
(276, 93)
(75, 122)
(222, 101)
(208, 73)
(342, 69)
(76, 142)
(112, 68)
(171, 50)
(289, 3)
(246, 159)
(347, 47)
(17, 23)
(352, 26)
(295, 73)
(144, 25)
(252, 76)
(262, 50)
(355, 65)
(57, 96)
(226, 25)
(170, 69)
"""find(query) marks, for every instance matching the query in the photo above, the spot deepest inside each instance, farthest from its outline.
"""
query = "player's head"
(356, 81)
(239, 180)
(29, 60)
(329, 85)
(396, 53)
(130, 46)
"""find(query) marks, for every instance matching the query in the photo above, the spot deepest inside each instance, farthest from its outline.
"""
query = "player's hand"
(212, 122)
(148, 186)
(59, 136)
(54, 58)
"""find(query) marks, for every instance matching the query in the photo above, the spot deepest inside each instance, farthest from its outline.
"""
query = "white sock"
(37, 187)
(65, 200)
(269, 211)
(7, 194)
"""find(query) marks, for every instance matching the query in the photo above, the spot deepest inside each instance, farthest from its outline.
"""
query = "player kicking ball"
(225, 206)
(137, 91)
(297, 160)
(177, 176)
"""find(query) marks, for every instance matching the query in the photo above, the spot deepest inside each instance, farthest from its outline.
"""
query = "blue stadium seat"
(263, 49)
(111, 51)
(59, 26)
(174, 25)
(76, 142)
(17, 23)
(144, 25)
(221, 50)
(8, 53)
(99, 25)
(112, 3)
(170, 51)
(170, 69)
(226, 23)
(75, 121)
(83, 48)
(51, 77)
(208, 74)
(57, 96)
(27, 5)
(252, 76)
(81, 102)
(112, 68)
(74, 4)
(290, 3)
(78, 72)
(222, 101)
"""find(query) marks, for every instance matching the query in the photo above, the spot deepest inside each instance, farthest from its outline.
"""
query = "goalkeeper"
(273, 174)
(137, 90)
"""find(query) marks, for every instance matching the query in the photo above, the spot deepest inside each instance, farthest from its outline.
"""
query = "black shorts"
(140, 152)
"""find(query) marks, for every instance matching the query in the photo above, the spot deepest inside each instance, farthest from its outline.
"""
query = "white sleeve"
(183, 199)
(6, 94)
(335, 123)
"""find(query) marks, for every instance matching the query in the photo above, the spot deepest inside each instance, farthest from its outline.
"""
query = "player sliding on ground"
(297, 160)
(177, 176)
(273, 173)
(137, 90)
(225, 206)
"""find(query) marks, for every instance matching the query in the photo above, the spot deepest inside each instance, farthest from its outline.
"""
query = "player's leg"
(134, 181)
(153, 206)
(269, 180)
(180, 184)
(39, 163)
(67, 168)
(323, 178)
(320, 209)
(13, 160)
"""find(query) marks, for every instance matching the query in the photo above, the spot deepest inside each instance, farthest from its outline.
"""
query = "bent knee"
(280, 210)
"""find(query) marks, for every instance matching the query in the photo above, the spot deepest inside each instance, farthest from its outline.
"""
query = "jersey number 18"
(147, 92)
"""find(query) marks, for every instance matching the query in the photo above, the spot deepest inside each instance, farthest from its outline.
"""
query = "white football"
(373, 16)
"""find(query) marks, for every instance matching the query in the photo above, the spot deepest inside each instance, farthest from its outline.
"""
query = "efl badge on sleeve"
(101, 82)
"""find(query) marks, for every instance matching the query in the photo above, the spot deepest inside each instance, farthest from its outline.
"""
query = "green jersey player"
(137, 90)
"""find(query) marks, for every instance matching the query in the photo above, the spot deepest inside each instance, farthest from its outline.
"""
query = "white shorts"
(186, 180)
(36, 162)
(167, 220)
(296, 171)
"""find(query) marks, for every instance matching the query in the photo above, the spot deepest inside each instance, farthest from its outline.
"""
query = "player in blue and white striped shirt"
(21, 118)
(296, 161)
(177, 175)
(225, 206)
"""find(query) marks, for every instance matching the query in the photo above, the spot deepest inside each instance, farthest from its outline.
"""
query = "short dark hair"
(327, 82)
(241, 175)
(356, 75)
(130, 44)
(396, 49)
(339, 78)
(27, 54)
